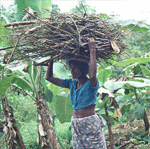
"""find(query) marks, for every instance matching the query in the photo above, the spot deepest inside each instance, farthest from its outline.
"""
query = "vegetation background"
(128, 78)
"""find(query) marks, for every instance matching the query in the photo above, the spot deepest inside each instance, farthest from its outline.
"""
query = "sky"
(123, 9)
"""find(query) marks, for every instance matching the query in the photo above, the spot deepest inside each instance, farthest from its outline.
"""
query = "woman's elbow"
(47, 78)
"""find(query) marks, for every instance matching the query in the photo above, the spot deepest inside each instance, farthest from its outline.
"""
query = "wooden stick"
(11, 47)
(12, 54)
(21, 23)
(63, 34)
(45, 63)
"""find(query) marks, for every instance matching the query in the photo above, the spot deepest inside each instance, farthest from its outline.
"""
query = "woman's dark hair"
(83, 66)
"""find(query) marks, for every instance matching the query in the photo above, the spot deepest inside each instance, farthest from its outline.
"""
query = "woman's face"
(75, 71)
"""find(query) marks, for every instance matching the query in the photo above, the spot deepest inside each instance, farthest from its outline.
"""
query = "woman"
(86, 125)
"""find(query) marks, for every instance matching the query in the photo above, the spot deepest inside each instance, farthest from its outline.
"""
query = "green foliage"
(82, 8)
(145, 70)
(63, 107)
(43, 7)
(111, 118)
(125, 108)
(132, 61)
(104, 16)
(60, 71)
(133, 97)
(64, 132)
(7, 14)
(55, 89)
(104, 74)
(135, 28)
(142, 138)
(138, 44)
(134, 25)
(112, 85)
(61, 98)
(7, 81)
(35, 77)
(139, 111)
(100, 104)
(25, 113)
(55, 8)
(24, 107)
(29, 136)
(48, 94)
(60, 140)
(1, 67)
(5, 39)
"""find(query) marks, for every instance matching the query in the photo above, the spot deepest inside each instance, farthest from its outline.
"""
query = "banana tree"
(31, 79)
(13, 137)
(35, 77)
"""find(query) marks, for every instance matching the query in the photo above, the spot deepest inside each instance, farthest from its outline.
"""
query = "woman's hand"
(91, 44)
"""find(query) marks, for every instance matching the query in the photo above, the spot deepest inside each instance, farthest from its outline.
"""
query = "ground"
(123, 135)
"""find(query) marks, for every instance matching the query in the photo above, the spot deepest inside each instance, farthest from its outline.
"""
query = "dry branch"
(63, 36)
(20, 23)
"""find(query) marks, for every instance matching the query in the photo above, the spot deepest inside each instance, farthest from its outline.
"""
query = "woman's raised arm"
(93, 66)
(49, 75)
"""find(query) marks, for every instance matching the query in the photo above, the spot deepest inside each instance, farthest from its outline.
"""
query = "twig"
(84, 10)
(106, 29)
(64, 35)
(45, 63)
(21, 23)
(127, 54)
(10, 47)
(45, 22)
(12, 54)
(120, 147)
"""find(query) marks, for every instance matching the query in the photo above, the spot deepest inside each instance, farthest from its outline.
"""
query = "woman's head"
(78, 68)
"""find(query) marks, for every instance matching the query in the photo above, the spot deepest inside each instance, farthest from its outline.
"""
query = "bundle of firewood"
(64, 36)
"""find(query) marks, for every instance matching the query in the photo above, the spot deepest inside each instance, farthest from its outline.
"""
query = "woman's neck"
(82, 80)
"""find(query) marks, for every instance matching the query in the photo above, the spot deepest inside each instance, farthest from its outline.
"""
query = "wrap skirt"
(87, 132)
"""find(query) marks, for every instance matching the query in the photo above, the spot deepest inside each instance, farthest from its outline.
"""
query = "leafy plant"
(63, 107)
(7, 15)
(7, 81)
(82, 8)
(43, 7)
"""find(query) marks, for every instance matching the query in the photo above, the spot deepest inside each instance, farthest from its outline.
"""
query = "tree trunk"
(146, 122)
(109, 129)
(45, 125)
(13, 137)
(129, 117)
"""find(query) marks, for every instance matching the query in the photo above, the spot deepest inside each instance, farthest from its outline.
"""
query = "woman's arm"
(93, 66)
(49, 75)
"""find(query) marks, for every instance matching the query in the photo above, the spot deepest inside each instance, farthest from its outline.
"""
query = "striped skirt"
(87, 132)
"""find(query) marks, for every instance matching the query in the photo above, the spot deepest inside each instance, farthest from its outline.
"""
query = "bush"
(64, 132)
(23, 106)
(29, 134)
